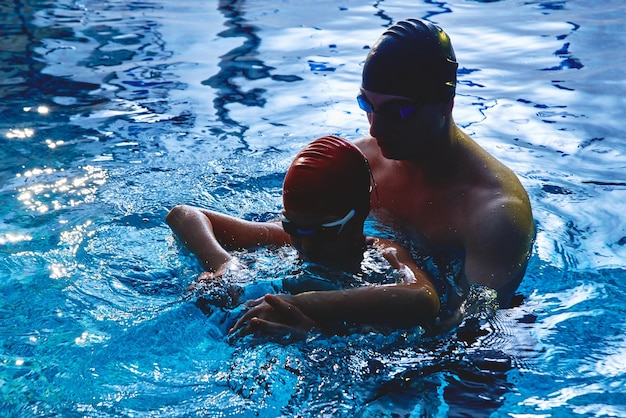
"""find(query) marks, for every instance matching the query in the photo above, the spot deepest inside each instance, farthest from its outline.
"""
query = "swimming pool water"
(115, 111)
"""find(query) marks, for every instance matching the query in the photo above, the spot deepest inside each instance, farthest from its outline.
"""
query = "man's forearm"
(392, 305)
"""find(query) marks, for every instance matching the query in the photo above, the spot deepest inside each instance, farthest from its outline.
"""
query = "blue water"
(114, 111)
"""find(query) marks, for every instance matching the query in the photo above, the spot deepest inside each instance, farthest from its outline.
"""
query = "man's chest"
(439, 215)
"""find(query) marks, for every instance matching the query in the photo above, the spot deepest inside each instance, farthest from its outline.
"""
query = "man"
(433, 179)
(445, 189)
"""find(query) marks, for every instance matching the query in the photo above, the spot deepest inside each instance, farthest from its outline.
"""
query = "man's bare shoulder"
(499, 235)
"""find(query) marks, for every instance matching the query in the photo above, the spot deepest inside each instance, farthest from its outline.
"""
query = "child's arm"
(209, 235)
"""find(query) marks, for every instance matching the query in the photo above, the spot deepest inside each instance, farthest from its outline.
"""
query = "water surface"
(115, 111)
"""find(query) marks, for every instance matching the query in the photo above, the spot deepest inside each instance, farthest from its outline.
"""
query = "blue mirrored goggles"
(397, 111)
(329, 230)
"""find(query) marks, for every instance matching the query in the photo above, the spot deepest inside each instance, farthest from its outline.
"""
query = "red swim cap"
(330, 176)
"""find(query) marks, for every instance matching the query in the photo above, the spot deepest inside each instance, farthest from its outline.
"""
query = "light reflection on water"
(119, 111)
(50, 189)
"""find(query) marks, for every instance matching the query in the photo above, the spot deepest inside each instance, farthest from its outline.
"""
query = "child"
(326, 199)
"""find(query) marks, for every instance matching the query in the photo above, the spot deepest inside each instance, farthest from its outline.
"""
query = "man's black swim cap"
(412, 58)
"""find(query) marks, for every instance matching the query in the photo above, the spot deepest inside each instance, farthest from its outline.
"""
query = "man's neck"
(443, 160)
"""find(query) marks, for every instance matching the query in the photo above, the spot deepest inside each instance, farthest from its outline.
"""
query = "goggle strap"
(373, 179)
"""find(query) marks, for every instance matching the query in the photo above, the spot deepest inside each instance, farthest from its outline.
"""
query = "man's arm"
(498, 245)
(397, 305)
(413, 302)
(400, 306)
(209, 234)
(402, 260)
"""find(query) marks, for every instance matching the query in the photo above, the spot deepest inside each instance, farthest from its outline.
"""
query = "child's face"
(321, 238)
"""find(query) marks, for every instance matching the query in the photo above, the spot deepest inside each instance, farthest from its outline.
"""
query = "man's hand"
(272, 315)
